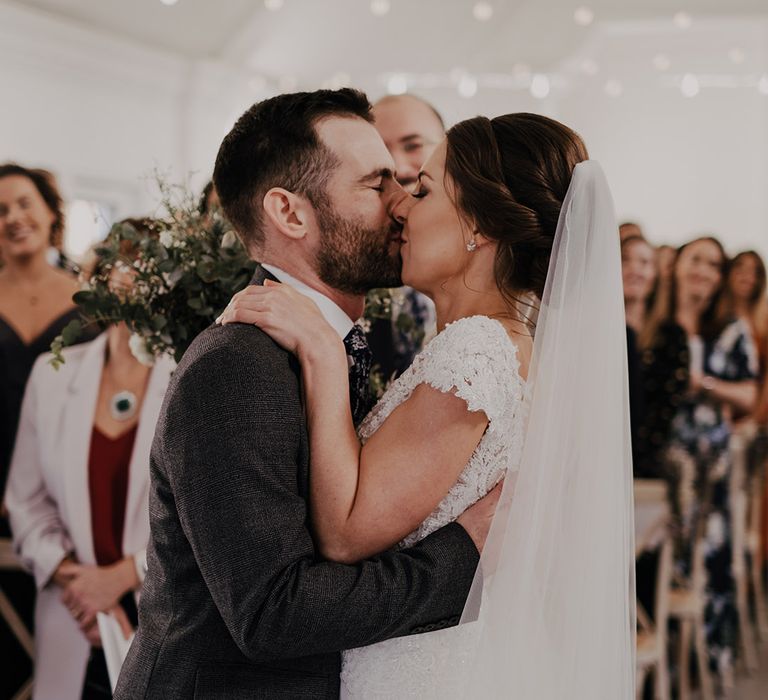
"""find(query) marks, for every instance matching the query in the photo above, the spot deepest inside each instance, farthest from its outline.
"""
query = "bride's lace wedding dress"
(475, 359)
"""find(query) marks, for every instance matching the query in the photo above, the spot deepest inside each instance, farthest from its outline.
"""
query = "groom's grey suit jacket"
(236, 602)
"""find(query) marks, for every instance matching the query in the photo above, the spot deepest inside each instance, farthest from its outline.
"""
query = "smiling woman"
(35, 298)
(639, 274)
(35, 304)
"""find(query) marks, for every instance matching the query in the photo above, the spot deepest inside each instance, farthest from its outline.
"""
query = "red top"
(108, 487)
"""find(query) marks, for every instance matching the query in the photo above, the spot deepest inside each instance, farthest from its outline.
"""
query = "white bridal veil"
(555, 602)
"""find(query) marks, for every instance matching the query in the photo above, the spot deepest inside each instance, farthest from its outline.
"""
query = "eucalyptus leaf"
(127, 232)
(166, 265)
(206, 270)
(176, 291)
(71, 332)
(105, 252)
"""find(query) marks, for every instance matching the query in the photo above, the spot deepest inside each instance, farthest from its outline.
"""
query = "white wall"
(104, 113)
(683, 166)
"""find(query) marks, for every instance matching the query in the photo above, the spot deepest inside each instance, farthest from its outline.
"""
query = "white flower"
(717, 361)
(171, 279)
(229, 240)
(716, 530)
(166, 239)
(140, 350)
(398, 297)
(704, 414)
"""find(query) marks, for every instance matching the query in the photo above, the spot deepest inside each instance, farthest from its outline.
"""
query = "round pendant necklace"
(122, 405)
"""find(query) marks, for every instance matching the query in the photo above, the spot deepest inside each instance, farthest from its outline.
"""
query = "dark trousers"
(19, 588)
(646, 568)
(96, 685)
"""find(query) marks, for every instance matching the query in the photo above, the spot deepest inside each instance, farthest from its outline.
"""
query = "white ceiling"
(325, 36)
(308, 44)
(191, 28)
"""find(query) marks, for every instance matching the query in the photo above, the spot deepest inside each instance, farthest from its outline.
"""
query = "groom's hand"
(476, 520)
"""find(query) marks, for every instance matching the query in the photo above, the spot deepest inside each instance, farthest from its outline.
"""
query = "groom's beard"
(354, 258)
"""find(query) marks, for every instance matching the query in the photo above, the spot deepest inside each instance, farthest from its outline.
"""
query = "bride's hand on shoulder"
(290, 318)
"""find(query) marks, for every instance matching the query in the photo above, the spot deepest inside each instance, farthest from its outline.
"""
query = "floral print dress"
(700, 471)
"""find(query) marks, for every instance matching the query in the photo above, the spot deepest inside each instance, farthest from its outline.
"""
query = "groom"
(236, 602)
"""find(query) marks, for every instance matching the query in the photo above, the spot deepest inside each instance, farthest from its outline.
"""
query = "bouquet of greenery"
(184, 271)
(184, 268)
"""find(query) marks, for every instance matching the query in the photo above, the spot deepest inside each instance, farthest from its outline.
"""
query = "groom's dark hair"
(275, 144)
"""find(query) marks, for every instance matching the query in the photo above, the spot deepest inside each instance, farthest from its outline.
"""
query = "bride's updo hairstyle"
(511, 174)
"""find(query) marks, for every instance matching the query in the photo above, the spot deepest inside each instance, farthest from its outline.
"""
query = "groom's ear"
(287, 211)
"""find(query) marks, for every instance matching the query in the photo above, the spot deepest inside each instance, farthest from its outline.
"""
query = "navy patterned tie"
(359, 356)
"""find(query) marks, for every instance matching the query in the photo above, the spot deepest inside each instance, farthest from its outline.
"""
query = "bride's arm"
(363, 500)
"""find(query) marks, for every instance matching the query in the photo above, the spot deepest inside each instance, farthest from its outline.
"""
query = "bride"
(507, 210)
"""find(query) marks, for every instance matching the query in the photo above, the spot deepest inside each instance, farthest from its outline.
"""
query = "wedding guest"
(411, 128)
(639, 274)
(653, 390)
(746, 294)
(35, 305)
(638, 277)
(723, 368)
(663, 348)
(630, 229)
(665, 256)
(662, 363)
(745, 297)
(35, 297)
(77, 497)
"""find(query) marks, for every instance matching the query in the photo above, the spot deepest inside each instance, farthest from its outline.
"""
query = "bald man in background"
(411, 129)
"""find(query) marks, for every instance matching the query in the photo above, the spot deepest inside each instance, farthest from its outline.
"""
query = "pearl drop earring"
(472, 246)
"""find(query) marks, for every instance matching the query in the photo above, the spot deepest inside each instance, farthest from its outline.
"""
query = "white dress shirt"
(337, 318)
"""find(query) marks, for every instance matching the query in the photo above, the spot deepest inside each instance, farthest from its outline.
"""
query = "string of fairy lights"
(522, 77)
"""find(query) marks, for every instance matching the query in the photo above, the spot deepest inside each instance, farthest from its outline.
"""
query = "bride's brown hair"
(511, 174)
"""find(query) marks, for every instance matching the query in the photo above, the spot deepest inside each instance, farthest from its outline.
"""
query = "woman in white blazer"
(99, 404)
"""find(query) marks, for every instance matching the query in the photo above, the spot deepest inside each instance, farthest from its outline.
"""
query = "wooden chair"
(652, 635)
(754, 546)
(687, 606)
(754, 543)
(739, 507)
(8, 562)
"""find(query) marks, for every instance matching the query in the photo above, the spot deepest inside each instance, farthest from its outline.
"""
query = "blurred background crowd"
(697, 325)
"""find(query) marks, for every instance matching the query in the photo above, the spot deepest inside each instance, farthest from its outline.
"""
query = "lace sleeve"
(475, 359)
